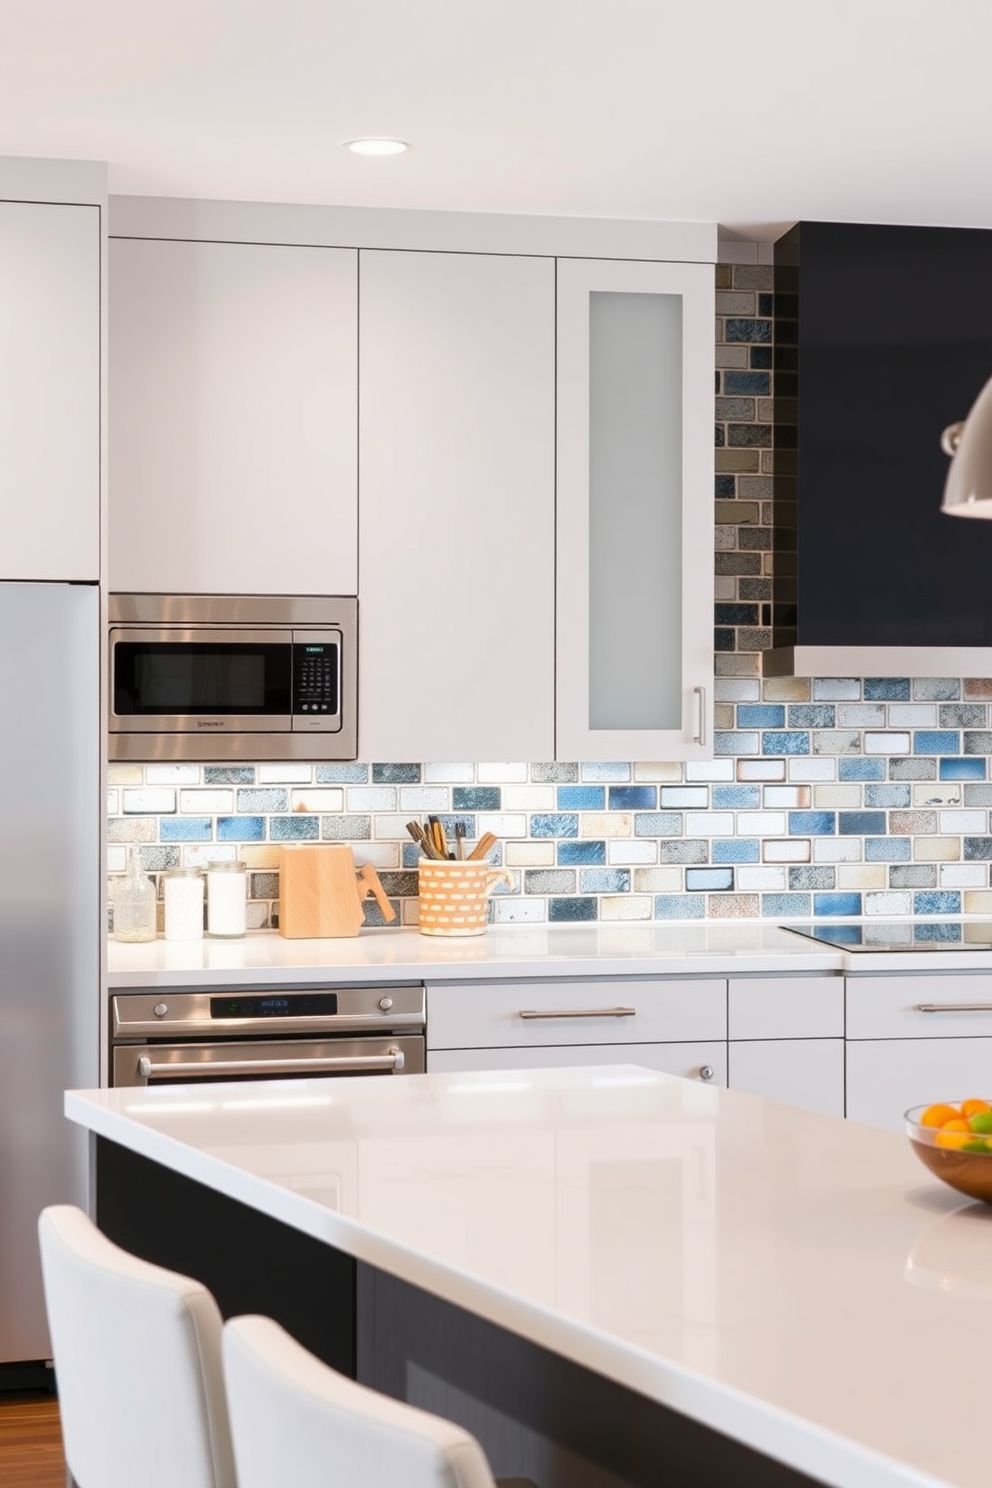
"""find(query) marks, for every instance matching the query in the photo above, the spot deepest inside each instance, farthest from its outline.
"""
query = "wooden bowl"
(969, 1172)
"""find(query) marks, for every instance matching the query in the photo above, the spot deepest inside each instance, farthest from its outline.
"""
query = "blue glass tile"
(736, 850)
(186, 829)
(229, 775)
(633, 797)
(581, 798)
(977, 849)
(760, 715)
(886, 689)
(554, 824)
(735, 741)
(581, 852)
(396, 774)
(888, 795)
(936, 741)
(743, 383)
(476, 798)
(784, 906)
(808, 877)
(658, 824)
(263, 800)
(861, 823)
(572, 909)
(736, 329)
(699, 879)
(785, 743)
(679, 907)
(862, 769)
(836, 904)
(242, 828)
(812, 715)
(929, 902)
(812, 823)
(342, 774)
(888, 849)
(962, 769)
(300, 827)
(737, 797)
(604, 880)
(411, 855)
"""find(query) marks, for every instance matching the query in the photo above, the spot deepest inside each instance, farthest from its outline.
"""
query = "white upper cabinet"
(49, 391)
(457, 454)
(233, 415)
(634, 510)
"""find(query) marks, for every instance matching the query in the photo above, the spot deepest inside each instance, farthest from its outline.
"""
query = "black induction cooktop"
(905, 935)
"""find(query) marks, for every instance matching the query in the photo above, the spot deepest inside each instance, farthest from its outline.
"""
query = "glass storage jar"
(134, 903)
(227, 899)
(183, 894)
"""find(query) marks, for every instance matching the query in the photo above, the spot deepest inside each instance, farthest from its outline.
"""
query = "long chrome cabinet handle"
(394, 1060)
(617, 1012)
(701, 735)
(954, 1007)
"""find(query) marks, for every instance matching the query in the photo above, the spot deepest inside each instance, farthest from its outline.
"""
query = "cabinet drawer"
(958, 1005)
(706, 1062)
(785, 1007)
(625, 1010)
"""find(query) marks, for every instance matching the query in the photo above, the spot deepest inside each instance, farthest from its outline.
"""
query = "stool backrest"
(296, 1421)
(137, 1352)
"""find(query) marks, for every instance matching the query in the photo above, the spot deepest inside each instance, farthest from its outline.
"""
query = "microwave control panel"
(317, 681)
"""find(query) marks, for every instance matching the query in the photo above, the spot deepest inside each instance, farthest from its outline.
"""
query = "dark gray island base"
(535, 1412)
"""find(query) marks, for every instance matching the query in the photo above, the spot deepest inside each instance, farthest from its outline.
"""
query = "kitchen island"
(613, 1276)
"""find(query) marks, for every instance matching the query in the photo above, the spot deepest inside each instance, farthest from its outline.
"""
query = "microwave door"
(236, 681)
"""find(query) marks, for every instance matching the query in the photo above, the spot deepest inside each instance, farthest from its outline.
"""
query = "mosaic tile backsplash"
(826, 796)
(831, 796)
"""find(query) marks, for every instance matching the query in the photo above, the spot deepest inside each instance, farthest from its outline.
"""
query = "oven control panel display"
(275, 1005)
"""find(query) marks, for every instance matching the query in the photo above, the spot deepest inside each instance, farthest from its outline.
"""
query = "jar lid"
(182, 873)
(224, 865)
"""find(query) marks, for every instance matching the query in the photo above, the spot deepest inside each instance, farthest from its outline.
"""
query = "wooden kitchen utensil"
(321, 893)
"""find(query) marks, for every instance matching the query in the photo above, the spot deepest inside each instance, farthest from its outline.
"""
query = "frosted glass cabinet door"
(49, 391)
(634, 510)
(233, 418)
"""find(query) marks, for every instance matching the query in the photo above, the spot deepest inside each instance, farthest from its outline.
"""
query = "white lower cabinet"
(800, 1072)
(915, 1039)
(674, 1024)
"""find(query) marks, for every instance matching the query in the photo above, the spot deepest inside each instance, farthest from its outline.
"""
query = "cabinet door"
(800, 1072)
(887, 1076)
(635, 510)
(50, 391)
(457, 506)
(706, 1062)
(233, 418)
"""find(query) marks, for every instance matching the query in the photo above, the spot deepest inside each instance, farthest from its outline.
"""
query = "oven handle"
(393, 1060)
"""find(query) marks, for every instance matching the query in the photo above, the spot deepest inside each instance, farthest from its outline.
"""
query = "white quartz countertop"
(724, 948)
(796, 1281)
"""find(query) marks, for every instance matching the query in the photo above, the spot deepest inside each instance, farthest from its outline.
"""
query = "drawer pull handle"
(617, 1012)
(954, 1007)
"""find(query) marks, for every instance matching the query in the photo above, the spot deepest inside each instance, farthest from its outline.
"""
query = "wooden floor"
(30, 1441)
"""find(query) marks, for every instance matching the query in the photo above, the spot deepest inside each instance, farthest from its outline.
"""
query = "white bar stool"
(137, 1353)
(295, 1420)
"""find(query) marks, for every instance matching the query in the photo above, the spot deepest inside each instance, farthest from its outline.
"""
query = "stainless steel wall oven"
(258, 1033)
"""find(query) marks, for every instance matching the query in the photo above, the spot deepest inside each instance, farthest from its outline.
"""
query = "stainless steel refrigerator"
(50, 930)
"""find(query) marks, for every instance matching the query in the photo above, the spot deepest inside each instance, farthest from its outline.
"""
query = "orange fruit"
(939, 1114)
(950, 1135)
(974, 1106)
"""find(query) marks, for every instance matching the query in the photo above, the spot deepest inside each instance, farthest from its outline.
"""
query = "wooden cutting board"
(319, 893)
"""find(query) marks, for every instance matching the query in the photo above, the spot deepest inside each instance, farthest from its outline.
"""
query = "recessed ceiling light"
(376, 146)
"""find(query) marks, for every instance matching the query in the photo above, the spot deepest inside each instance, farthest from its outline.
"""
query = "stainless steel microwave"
(228, 676)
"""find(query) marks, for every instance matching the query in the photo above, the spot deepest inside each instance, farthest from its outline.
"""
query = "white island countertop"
(797, 1282)
(380, 955)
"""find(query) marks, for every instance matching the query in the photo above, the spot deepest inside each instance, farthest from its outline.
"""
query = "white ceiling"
(750, 113)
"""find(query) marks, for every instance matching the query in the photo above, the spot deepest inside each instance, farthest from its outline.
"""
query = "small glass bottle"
(227, 896)
(134, 903)
(183, 894)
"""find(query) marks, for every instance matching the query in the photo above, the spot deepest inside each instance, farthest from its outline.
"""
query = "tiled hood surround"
(826, 796)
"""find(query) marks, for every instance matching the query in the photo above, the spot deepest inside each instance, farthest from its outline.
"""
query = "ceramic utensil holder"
(454, 896)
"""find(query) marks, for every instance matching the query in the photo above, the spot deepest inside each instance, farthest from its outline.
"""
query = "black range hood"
(883, 336)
